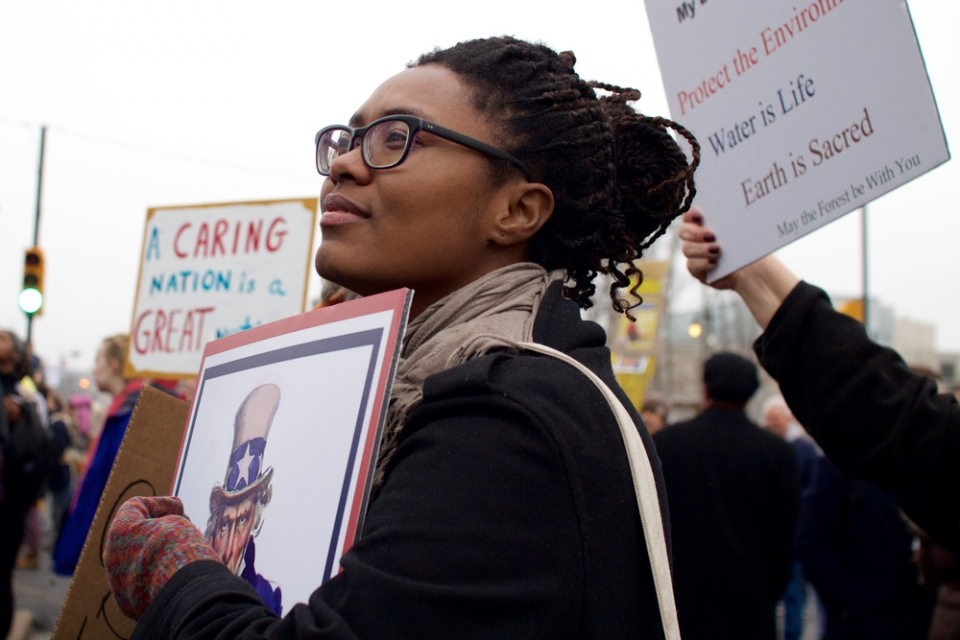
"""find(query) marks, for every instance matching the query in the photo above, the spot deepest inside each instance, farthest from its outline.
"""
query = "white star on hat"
(244, 466)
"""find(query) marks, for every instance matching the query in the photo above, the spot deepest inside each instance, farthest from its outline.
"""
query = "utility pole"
(36, 222)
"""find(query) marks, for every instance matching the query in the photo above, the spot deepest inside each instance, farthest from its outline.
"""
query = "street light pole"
(36, 221)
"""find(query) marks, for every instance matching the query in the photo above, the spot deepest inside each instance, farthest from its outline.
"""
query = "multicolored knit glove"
(148, 541)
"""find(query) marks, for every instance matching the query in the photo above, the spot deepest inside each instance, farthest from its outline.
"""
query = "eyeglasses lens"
(332, 143)
(385, 143)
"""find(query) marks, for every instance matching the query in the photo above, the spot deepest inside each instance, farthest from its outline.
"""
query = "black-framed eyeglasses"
(386, 142)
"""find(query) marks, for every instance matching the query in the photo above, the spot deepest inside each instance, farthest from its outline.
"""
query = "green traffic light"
(30, 300)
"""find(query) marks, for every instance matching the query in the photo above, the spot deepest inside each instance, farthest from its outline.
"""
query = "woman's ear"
(527, 207)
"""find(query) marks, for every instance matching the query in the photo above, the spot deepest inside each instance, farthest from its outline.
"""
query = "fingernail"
(712, 260)
(714, 248)
(709, 237)
(697, 218)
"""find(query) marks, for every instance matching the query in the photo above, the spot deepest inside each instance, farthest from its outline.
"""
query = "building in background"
(916, 343)
(686, 339)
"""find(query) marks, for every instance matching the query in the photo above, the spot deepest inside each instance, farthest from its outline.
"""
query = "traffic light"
(31, 296)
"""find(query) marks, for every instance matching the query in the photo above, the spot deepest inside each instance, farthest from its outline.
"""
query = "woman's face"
(427, 223)
(104, 370)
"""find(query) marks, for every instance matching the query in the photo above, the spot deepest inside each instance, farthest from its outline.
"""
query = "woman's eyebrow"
(358, 118)
(406, 111)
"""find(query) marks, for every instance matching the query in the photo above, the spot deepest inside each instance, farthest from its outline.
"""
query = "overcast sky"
(193, 102)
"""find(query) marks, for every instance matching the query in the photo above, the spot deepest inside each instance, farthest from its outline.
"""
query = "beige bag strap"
(645, 487)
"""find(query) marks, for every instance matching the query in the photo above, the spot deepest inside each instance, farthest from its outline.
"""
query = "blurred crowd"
(56, 456)
(765, 528)
(770, 538)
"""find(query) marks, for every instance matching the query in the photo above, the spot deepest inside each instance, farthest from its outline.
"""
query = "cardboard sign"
(279, 452)
(208, 271)
(144, 466)
(804, 111)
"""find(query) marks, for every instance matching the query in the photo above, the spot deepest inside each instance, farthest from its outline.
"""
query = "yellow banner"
(634, 345)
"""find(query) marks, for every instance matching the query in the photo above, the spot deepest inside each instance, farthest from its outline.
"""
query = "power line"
(10, 122)
(163, 153)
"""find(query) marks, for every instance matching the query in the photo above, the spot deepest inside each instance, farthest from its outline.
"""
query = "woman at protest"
(108, 376)
(502, 502)
(64, 431)
(873, 416)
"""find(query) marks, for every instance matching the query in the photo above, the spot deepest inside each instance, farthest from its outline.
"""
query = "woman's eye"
(395, 138)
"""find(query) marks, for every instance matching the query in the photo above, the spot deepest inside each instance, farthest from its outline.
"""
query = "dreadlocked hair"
(618, 177)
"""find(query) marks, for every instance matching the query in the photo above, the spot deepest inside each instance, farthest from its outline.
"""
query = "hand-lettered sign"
(804, 110)
(208, 271)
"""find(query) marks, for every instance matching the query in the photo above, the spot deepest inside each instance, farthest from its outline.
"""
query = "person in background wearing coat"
(873, 417)
(940, 574)
(108, 376)
(937, 566)
(62, 428)
(654, 412)
(733, 491)
(16, 494)
(855, 549)
(778, 420)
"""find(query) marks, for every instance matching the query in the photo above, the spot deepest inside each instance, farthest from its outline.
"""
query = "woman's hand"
(147, 542)
(701, 249)
(763, 285)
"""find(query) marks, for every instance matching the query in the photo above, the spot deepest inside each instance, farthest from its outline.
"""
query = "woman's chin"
(326, 262)
(336, 271)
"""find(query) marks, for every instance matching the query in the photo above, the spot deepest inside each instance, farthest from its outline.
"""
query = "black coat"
(870, 414)
(856, 551)
(507, 512)
(733, 491)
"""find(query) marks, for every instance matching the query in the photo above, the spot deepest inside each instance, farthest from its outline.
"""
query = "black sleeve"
(871, 415)
(474, 535)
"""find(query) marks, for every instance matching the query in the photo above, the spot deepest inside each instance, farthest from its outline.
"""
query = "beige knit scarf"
(461, 326)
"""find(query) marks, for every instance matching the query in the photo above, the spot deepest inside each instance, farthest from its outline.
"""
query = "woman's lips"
(338, 210)
(334, 218)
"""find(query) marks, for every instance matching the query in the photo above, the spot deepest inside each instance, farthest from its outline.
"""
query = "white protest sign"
(278, 455)
(804, 110)
(208, 271)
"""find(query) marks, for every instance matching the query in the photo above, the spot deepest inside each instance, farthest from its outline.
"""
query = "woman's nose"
(349, 165)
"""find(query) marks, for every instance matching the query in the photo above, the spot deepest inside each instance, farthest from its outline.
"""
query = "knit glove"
(148, 541)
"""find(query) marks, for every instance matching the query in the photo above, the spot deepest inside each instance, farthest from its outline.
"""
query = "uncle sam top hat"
(245, 474)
